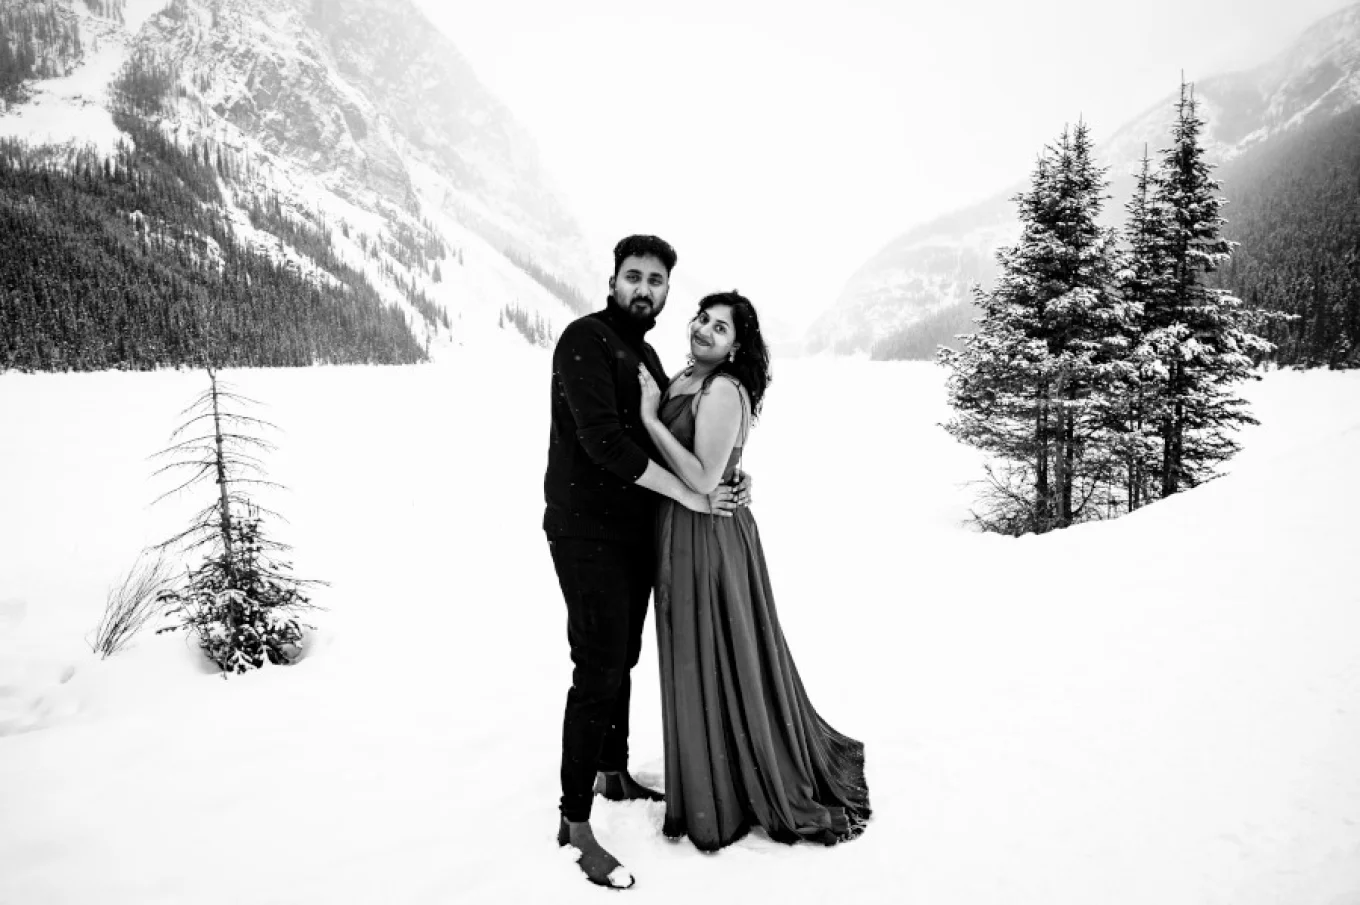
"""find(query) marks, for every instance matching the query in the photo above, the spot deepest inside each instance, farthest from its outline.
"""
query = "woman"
(744, 747)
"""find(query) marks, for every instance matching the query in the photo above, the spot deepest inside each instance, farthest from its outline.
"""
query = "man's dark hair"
(644, 246)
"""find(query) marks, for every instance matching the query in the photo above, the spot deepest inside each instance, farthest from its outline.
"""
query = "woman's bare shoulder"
(728, 386)
(731, 396)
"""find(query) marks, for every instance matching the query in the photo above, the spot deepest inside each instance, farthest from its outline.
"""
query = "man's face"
(640, 287)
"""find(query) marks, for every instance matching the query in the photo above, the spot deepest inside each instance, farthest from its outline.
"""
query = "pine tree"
(1137, 379)
(1201, 335)
(1027, 385)
(241, 603)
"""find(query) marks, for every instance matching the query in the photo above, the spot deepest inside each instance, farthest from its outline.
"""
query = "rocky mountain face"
(920, 282)
(356, 119)
(370, 94)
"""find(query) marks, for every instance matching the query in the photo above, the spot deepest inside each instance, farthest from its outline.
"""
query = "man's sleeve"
(584, 365)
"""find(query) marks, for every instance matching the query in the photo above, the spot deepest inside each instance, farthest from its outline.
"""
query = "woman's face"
(712, 334)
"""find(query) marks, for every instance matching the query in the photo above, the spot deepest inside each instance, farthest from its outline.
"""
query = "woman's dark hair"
(643, 247)
(750, 364)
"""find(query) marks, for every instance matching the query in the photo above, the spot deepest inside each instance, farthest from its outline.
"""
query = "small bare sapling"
(133, 603)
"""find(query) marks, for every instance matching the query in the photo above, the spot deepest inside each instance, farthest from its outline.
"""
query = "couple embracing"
(643, 491)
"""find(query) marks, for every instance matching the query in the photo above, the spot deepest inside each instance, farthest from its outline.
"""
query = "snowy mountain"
(917, 283)
(356, 119)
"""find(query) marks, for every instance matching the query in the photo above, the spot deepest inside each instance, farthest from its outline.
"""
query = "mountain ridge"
(928, 270)
(355, 118)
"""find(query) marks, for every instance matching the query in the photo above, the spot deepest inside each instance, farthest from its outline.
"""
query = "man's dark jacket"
(599, 447)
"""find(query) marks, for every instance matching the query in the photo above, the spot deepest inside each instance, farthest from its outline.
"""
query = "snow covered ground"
(1162, 709)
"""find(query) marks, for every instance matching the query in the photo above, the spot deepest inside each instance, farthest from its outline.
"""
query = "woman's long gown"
(744, 747)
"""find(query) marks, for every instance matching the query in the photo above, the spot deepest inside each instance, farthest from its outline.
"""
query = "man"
(600, 491)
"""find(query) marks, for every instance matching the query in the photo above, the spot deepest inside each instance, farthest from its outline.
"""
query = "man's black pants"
(606, 585)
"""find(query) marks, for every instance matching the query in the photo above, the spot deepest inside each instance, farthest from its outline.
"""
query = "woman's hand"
(651, 395)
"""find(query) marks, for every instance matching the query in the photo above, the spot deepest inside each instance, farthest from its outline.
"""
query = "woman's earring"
(732, 356)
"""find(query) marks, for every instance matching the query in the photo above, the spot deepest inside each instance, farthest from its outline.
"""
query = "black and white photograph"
(711, 452)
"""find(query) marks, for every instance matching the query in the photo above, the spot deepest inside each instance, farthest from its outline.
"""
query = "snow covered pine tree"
(240, 602)
(1027, 386)
(1201, 335)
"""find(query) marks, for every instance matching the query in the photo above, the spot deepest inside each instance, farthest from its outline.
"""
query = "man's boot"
(600, 867)
(619, 786)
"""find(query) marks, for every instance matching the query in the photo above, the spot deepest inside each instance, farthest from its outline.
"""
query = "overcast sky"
(778, 146)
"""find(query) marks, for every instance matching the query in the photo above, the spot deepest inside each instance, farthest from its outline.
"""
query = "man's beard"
(643, 311)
